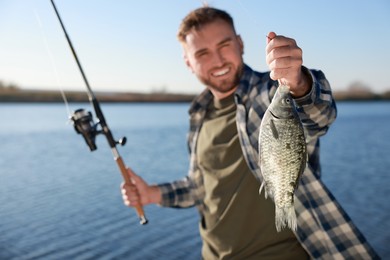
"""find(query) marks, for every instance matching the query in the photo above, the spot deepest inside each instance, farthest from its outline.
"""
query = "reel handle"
(127, 179)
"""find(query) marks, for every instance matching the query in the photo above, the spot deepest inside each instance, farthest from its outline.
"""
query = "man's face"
(214, 54)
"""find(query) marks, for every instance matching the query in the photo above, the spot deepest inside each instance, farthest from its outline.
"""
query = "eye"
(225, 45)
(286, 101)
(201, 54)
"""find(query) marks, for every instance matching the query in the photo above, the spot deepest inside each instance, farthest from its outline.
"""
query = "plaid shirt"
(324, 228)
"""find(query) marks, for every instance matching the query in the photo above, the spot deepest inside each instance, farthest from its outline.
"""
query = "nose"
(219, 59)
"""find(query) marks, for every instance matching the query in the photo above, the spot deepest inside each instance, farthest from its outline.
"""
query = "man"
(224, 176)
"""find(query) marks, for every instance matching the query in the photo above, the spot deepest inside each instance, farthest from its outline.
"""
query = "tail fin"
(285, 217)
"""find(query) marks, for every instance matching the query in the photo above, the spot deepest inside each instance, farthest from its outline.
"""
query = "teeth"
(221, 72)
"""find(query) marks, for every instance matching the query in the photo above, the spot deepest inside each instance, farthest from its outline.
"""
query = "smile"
(221, 72)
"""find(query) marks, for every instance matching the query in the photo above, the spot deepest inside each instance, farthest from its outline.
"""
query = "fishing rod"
(84, 124)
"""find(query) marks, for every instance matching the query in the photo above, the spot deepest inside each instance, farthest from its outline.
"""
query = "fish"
(282, 156)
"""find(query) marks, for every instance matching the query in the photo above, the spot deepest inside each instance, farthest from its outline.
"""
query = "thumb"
(270, 36)
(132, 175)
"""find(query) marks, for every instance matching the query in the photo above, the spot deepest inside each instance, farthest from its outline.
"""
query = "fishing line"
(204, 3)
(249, 14)
(53, 63)
(84, 124)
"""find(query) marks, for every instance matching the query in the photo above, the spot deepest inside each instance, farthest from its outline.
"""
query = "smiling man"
(214, 55)
(224, 176)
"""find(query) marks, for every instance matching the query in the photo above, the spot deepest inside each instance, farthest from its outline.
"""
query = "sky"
(127, 45)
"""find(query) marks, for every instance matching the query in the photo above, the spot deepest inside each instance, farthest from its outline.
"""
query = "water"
(60, 201)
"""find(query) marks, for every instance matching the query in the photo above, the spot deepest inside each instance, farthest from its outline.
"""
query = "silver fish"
(282, 155)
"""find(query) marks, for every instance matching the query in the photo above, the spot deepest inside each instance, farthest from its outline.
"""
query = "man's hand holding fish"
(284, 59)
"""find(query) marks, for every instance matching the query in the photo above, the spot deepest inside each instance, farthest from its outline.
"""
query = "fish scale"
(283, 156)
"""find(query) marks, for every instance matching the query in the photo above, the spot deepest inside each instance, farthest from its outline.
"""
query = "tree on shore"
(8, 87)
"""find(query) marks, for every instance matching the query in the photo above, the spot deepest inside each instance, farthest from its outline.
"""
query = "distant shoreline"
(51, 96)
(48, 96)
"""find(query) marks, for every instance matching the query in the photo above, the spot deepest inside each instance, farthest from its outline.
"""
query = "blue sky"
(131, 45)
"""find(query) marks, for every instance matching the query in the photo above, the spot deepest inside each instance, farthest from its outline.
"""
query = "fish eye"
(286, 101)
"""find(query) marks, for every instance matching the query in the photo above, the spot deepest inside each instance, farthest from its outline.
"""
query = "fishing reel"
(83, 124)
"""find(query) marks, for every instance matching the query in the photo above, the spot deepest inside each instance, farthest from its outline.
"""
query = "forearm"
(155, 195)
(317, 109)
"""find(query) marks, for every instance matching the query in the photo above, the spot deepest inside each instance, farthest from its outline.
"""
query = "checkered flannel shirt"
(324, 228)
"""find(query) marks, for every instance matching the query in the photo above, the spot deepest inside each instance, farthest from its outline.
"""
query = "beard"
(226, 85)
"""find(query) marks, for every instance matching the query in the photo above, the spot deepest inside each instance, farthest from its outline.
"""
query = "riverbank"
(51, 96)
(21, 95)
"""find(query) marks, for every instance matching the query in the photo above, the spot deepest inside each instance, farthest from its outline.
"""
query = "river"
(60, 201)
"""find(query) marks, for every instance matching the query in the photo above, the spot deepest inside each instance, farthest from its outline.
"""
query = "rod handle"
(127, 179)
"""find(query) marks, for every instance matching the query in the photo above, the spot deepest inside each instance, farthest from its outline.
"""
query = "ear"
(241, 43)
(187, 62)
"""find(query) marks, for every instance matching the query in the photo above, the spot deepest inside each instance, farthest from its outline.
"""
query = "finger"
(294, 52)
(279, 74)
(123, 190)
(280, 63)
(270, 36)
(134, 178)
(126, 187)
(131, 197)
(282, 52)
(126, 200)
(130, 172)
(285, 63)
(131, 202)
(280, 41)
(289, 75)
(129, 190)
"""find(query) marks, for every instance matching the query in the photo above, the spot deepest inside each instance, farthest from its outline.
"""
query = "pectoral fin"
(273, 129)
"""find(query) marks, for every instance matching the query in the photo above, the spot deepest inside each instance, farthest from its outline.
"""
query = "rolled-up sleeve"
(177, 194)
(317, 110)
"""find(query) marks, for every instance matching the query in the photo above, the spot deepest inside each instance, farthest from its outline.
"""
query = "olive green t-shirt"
(238, 223)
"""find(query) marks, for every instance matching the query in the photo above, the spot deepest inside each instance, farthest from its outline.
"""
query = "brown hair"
(200, 17)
